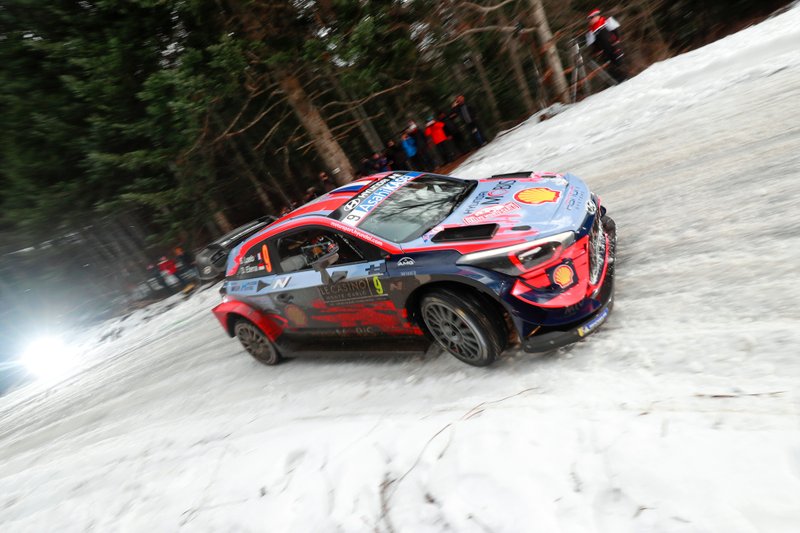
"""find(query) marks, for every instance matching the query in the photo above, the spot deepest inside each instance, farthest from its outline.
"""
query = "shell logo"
(538, 195)
(563, 276)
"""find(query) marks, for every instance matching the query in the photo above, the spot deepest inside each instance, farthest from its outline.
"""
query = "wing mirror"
(321, 265)
(320, 256)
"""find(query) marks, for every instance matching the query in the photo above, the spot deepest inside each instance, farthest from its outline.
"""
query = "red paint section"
(271, 325)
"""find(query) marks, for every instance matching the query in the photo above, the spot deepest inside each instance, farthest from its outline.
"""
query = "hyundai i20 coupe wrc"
(395, 260)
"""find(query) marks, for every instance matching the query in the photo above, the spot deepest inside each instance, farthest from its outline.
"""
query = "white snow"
(680, 414)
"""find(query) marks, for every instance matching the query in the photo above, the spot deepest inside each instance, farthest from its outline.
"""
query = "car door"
(354, 303)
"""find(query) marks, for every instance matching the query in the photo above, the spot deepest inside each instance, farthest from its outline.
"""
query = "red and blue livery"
(395, 260)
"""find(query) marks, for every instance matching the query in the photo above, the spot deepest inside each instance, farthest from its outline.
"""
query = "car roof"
(323, 206)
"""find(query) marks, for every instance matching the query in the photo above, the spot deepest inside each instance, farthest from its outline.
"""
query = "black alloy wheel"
(459, 324)
(256, 343)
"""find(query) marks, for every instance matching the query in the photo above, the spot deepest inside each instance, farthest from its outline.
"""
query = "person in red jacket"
(603, 36)
(436, 132)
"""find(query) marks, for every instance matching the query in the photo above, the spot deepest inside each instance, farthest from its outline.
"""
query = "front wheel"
(460, 326)
(256, 343)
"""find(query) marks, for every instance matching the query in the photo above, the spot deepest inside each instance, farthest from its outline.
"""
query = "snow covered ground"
(681, 414)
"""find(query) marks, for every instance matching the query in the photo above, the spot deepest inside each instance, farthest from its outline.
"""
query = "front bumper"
(553, 339)
(546, 339)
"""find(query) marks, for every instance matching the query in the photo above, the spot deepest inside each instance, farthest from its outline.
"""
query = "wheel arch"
(484, 295)
(229, 311)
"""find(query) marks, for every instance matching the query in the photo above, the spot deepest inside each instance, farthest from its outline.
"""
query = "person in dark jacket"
(396, 156)
(424, 152)
(465, 113)
(379, 162)
(603, 36)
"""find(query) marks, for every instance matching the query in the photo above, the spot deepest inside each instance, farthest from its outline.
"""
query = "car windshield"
(416, 208)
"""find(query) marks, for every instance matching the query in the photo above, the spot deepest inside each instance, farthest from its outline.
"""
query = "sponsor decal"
(261, 285)
(591, 207)
(242, 286)
(405, 262)
(359, 210)
(593, 324)
(574, 198)
(563, 276)
(361, 234)
(408, 273)
(490, 212)
(357, 199)
(281, 283)
(537, 195)
(295, 315)
(348, 292)
(491, 197)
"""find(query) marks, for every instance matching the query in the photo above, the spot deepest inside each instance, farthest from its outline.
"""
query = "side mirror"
(321, 265)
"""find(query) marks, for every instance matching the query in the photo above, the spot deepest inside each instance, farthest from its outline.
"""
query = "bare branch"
(366, 98)
(484, 9)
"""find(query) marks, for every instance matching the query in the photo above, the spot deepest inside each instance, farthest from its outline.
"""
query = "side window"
(295, 249)
(256, 262)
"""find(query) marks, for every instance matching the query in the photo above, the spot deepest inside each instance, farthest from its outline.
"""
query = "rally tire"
(256, 343)
(460, 326)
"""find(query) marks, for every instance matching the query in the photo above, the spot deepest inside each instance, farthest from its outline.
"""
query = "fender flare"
(229, 309)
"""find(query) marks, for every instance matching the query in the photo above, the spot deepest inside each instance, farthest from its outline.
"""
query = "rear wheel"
(256, 343)
(459, 324)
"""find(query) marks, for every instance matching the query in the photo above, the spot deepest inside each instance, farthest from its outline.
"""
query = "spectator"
(410, 148)
(311, 194)
(452, 131)
(326, 182)
(423, 152)
(467, 116)
(398, 160)
(603, 35)
(379, 162)
(435, 131)
(169, 271)
(365, 167)
(184, 263)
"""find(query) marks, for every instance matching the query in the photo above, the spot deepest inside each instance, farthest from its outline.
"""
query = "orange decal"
(265, 257)
(563, 276)
(296, 316)
(539, 195)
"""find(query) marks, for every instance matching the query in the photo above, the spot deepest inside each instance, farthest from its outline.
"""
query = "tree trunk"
(321, 137)
(516, 66)
(357, 111)
(259, 188)
(550, 50)
(477, 60)
(219, 216)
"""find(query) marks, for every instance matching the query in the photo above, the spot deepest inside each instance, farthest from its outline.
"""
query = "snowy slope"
(680, 414)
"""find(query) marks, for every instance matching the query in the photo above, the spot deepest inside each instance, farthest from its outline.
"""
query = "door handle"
(285, 297)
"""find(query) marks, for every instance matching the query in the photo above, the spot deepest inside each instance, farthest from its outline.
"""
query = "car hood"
(528, 205)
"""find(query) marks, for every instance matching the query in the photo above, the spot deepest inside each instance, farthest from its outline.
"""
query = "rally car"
(391, 261)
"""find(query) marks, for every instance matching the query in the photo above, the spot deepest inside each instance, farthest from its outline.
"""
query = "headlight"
(520, 258)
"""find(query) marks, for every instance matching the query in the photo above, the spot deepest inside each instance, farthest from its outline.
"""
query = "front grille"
(597, 249)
